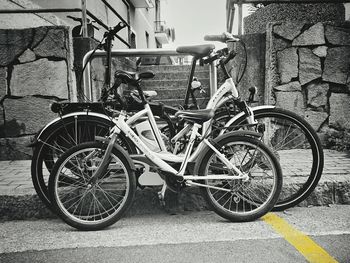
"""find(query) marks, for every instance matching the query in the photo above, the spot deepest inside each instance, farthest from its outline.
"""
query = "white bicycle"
(93, 184)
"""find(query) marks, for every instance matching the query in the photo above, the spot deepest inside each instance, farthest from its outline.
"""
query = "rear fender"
(73, 114)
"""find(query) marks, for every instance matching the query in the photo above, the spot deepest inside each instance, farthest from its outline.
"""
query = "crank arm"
(191, 183)
(243, 177)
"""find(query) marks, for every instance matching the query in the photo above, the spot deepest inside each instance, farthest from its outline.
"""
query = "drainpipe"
(84, 18)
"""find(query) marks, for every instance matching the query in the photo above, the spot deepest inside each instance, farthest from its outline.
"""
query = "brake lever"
(230, 56)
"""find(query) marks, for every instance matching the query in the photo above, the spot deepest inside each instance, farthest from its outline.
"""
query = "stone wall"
(308, 72)
(309, 13)
(35, 69)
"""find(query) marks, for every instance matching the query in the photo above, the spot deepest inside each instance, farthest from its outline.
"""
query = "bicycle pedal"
(162, 203)
(161, 199)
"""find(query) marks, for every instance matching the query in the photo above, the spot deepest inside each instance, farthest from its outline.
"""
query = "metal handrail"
(137, 53)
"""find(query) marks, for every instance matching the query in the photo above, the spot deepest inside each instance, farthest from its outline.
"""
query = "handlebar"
(223, 54)
(117, 28)
(224, 38)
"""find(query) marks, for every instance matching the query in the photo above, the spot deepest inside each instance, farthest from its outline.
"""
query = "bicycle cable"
(245, 62)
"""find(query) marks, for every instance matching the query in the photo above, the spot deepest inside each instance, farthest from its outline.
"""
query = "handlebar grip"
(224, 37)
(220, 38)
(230, 56)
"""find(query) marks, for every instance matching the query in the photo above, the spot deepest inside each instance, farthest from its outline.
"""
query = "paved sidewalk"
(17, 192)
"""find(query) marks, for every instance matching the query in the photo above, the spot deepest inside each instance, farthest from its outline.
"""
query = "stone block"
(313, 36)
(54, 44)
(41, 77)
(39, 35)
(13, 43)
(293, 101)
(317, 94)
(320, 51)
(339, 88)
(322, 195)
(337, 65)
(309, 66)
(288, 30)
(342, 192)
(291, 86)
(15, 148)
(339, 104)
(3, 82)
(27, 56)
(1, 122)
(26, 115)
(287, 64)
(280, 44)
(19, 207)
(315, 118)
(337, 35)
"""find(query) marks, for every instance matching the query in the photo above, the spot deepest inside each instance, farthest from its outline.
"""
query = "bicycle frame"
(160, 158)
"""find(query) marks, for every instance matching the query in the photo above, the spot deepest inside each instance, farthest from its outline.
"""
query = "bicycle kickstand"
(161, 195)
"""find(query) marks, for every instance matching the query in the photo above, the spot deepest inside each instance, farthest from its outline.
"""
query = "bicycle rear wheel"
(239, 200)
(296, 145)
(83, 203)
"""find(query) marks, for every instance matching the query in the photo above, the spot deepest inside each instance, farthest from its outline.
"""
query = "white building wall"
(141, 19)
(347, 11)
(142, 22)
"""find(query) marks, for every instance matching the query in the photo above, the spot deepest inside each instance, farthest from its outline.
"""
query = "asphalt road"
(190, 237)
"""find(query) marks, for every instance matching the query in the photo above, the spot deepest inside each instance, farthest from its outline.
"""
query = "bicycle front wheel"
(91, 204)
(241, 200)
(61, 136)
(296, 145)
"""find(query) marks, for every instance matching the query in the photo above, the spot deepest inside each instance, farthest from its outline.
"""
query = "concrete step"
(175, 93)
(179, 75)
(173, 68)
(18, 207)
(202, 102)
(166, 84)
(18, 199)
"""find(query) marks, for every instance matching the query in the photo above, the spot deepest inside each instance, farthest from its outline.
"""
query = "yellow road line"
(304, 244)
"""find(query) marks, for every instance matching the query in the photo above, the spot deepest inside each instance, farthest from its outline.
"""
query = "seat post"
(190, 79)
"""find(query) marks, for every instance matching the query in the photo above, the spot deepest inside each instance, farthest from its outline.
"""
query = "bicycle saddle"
(129, 77)
(198, 51)
(198, 116)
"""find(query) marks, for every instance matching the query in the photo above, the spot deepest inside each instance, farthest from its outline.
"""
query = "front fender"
(119, 148)
(221, 137)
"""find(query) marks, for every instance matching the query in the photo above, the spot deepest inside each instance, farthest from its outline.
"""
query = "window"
(147, 39)
(132, 40)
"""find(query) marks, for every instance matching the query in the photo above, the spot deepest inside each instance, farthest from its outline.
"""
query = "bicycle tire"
(83, 203)
(44, 154)
(314, 154)
(239, 200)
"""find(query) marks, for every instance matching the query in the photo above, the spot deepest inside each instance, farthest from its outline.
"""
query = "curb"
(29, 206)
